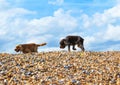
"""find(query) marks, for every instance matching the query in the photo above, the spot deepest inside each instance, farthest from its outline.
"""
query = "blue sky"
(38, 21)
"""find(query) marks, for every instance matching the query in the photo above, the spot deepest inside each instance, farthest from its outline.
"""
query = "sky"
(39, 21)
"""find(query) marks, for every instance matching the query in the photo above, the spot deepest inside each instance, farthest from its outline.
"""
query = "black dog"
(72, 40)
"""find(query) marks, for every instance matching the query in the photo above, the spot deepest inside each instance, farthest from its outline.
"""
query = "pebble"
(60, 68)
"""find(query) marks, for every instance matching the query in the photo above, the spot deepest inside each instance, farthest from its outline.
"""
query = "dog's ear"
(65, 42)
(19, 47)
(62, 42)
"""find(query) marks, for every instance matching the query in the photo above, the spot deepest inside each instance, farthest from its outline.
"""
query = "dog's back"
(31, 47)
(73, 39)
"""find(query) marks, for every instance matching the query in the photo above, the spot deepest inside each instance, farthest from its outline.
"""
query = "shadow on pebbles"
(60, 68)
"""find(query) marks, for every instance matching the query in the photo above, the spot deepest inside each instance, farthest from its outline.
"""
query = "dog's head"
(62, 43)
(80, 44)
(18, 48)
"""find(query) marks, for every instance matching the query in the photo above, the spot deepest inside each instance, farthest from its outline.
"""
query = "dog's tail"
(41, 44)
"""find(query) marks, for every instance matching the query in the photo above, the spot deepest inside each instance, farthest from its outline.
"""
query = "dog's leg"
(82, 47)
(74, 47)
(69, 48)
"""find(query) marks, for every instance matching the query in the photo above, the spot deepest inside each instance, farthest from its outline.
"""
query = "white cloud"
(61, 21)
(113, 47)
(17, 28)
(39, 39)
(88, 41)
(65, 20)
(109, 16)
(106, 26)
(48, 49)
(112, 33)
(12, 21)
(56, 2)
(86, 21)
(3, 4)
(2, 32)
(118, 1)
(19, 11)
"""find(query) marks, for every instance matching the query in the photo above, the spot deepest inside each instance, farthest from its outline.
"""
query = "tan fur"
(28, 48)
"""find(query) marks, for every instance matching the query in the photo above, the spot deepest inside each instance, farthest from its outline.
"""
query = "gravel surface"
(60, 68)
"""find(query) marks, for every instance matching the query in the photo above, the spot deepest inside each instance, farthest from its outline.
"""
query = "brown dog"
(28, 48)
(72, 40)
